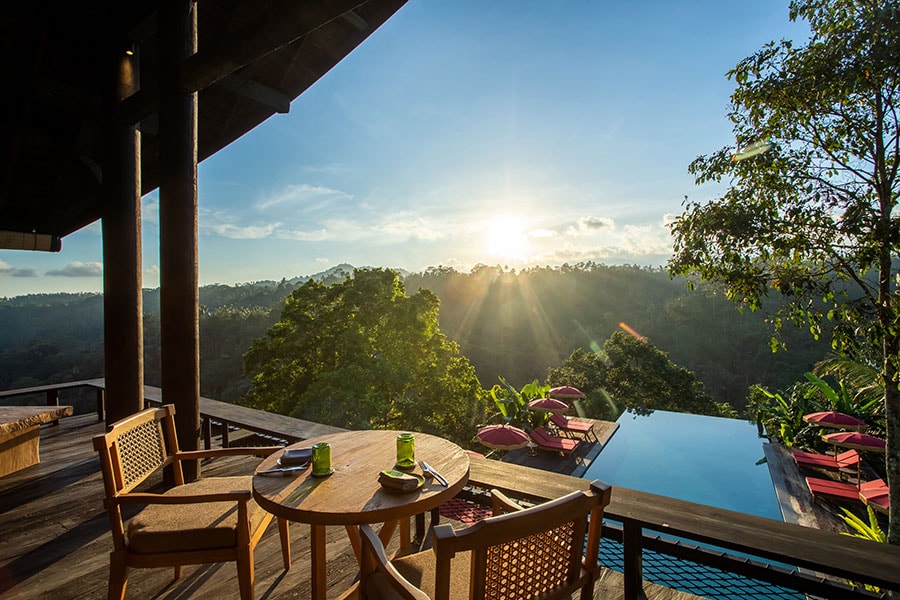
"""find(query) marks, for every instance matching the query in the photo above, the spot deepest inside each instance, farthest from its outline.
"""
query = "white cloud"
(248, 232)
(152, 270)
(587, 226)
(78, 269)
(11, 271)
(302, 196)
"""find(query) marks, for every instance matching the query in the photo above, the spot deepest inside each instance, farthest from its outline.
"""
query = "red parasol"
(566, 391)
(834, 419)
(551, 405)
(503, 437)
(855, 440)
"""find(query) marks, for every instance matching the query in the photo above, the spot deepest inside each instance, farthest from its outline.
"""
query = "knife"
(437, 476)
(284, 470)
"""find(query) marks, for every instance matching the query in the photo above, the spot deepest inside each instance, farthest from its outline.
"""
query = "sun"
(506, 238)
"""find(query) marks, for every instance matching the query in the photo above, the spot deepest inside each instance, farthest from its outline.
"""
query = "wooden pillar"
(179, 295)
(123, 337)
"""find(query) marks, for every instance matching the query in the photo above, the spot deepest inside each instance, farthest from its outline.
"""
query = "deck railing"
(806, 560)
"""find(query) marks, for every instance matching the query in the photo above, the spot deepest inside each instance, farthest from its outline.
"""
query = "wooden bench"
(20, 434)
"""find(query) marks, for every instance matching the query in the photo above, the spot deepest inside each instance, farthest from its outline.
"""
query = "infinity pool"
(707, 460)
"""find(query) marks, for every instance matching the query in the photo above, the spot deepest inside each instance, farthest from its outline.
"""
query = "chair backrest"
(540, 434)
(539, 551)
(559, 420)
(130, 451)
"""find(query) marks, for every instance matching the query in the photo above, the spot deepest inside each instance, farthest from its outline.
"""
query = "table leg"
(405, 537)
(355, 541)
(317, 558)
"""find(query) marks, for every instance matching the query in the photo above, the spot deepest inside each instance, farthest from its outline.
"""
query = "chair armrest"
(146, 498)
(217, 452)
(373, 551)
(501, 503)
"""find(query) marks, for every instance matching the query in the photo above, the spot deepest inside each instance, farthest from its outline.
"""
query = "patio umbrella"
(503, 437)
(834, 419)
(551, 405)
(855, 440)
(566, 392)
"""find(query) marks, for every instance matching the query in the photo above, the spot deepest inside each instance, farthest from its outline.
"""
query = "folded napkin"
(295, 456)
(398, 480)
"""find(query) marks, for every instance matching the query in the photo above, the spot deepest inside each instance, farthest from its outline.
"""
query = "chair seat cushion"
(418, 569)
(186, 527)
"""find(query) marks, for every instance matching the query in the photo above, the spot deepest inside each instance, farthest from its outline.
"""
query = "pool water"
(706, 460)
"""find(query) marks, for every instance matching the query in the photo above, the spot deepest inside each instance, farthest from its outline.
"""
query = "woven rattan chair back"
(536, 552)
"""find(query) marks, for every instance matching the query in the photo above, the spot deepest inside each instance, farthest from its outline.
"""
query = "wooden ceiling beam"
(285, 22)
(262, 94)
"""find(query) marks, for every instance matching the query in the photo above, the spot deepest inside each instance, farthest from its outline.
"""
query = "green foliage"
(868, 531)
(871, 531)
(631, 374)
(512, 404)
(812, 218)
(362, 354)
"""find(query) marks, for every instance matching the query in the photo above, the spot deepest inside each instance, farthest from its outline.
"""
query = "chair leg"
(118, 576)
(177, 572)
(285, 534)
(245, 572)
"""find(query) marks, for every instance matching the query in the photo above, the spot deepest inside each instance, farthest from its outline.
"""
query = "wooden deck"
(56, 539)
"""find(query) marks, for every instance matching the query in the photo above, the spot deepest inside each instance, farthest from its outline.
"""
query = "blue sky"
(508, 133)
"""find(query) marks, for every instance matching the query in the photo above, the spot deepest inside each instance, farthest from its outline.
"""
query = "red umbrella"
(855, 440)
(551, 405)
(566, 391)
(503, 437)
(834, 419)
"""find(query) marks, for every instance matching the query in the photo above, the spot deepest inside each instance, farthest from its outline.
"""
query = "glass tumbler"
(321, 459)
(406, 451)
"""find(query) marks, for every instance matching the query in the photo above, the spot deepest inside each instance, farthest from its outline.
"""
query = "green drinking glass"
(406, 451)
(321, 459)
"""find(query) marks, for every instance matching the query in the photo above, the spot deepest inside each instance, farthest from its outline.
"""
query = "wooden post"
(122, 304)
(632, 547)
(179, 294)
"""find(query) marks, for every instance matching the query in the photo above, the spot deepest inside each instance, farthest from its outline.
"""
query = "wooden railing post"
(53, 400)
(632, 547)
(101, 403)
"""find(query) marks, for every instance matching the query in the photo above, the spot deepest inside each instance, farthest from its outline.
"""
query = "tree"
(809, 212)
(631, 374)
(362, 354)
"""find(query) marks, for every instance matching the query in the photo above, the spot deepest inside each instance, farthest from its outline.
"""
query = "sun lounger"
(572, 428)
(874, 492)
(829, 462)
(545, 441)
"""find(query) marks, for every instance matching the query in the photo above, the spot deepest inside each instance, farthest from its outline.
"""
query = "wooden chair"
(210, 520)
(538, 552)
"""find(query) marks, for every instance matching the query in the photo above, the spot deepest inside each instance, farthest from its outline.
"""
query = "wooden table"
(20, 434)
(352, 496)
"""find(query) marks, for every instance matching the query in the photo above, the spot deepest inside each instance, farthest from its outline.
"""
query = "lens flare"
(632, 333)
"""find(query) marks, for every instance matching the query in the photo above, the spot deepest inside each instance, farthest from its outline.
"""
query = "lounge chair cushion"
(544, 440)
(850, 458)
(162, 527)
(571, 424)
(418, 569)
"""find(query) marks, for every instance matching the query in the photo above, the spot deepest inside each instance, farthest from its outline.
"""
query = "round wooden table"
(352, 496)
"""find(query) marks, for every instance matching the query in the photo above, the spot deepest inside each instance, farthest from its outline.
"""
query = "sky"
(510, 133)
